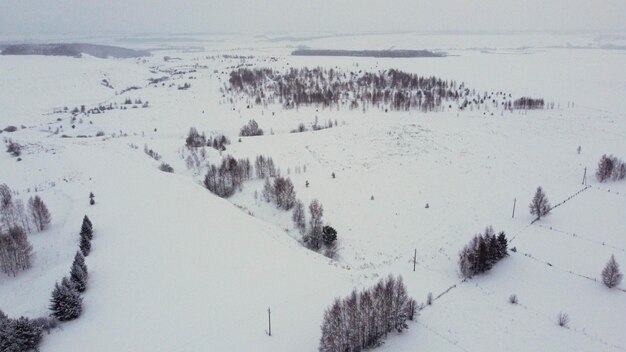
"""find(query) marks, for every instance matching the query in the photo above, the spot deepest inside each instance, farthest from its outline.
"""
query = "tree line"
(364, 319)
(389, 89)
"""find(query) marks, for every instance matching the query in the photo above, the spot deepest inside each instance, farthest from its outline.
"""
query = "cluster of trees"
(251, 129)
(15, 251)
(362, 320)
(316, 236)
(22, 334)
(610, 168)
(15, 223)
(197, 140)
(151, 153)
(281, 192)
(528, 103)
(264, 167)
(389, 89)
(482, 253)
(228, 177)
(14, 214)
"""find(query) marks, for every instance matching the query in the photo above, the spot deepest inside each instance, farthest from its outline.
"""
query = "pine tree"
(18, 335)
(502, 245)
(78, 276)
(88, 221)
(66, 303)
(539, 206)
(86, 230)
(79, 260)
(611, 275)
(85, 246)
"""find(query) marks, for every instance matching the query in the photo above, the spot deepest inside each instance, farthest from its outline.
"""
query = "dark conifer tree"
(85, 246)
(78, 276)
(66, 303)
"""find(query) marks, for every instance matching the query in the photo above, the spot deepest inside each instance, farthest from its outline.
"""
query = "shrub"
(513, 299)
(611, 275)
(562, 319)
(166, 168)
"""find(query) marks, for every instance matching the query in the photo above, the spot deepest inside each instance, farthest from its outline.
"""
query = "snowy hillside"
(174, 267)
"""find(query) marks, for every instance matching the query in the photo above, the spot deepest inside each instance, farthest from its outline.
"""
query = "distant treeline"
(73, 50)
(368, 53)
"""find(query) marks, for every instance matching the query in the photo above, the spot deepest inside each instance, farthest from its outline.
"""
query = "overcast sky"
(168, 16)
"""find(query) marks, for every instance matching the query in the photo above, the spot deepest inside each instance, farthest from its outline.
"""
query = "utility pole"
(414, 259)
(585, 176)
(514, 201)
(269, 321)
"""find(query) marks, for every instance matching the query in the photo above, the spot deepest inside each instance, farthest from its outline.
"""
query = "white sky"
(170, 16)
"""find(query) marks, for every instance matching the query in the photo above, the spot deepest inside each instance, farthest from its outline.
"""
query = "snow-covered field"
(175, 268)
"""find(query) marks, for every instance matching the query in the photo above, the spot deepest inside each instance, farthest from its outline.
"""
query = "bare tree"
(539, 206)
(39, 213)
(611, 275)
(562, 319)
(298, 217)
(314, 237)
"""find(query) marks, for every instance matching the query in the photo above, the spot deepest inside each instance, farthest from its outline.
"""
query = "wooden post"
(414, 259)
(584, 176)
(269, 321)
(514, 201)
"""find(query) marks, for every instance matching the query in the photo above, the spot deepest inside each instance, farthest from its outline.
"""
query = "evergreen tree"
(66, 303)
(79, 260)
(611, 275)
(78, 276)
(87, 221)
(86, 229)
(329, 235)
(85, 246)
(18, 335)
(539, 206)
(502, 245)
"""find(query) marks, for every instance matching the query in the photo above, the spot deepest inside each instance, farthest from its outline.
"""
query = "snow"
(174, 268)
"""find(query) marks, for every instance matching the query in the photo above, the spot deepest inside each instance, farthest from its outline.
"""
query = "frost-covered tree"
(15, 251)
(85, 246)
(78, 275)
(17, 335)
(39, 213)
(251, 129)
(539, 206)
(7, 210)
(66, 303)
(363, 319)
(284, 193)
(314, 236)
(483, 251)
(298, 217)
(86, 229)
(611, 276)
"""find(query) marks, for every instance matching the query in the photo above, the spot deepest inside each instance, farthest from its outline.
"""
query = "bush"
(14, 148)
(166, 168)
(562, 319)
(10, 129)
(513, 299)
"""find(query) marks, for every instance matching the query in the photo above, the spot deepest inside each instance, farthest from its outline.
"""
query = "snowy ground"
(175, 268)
